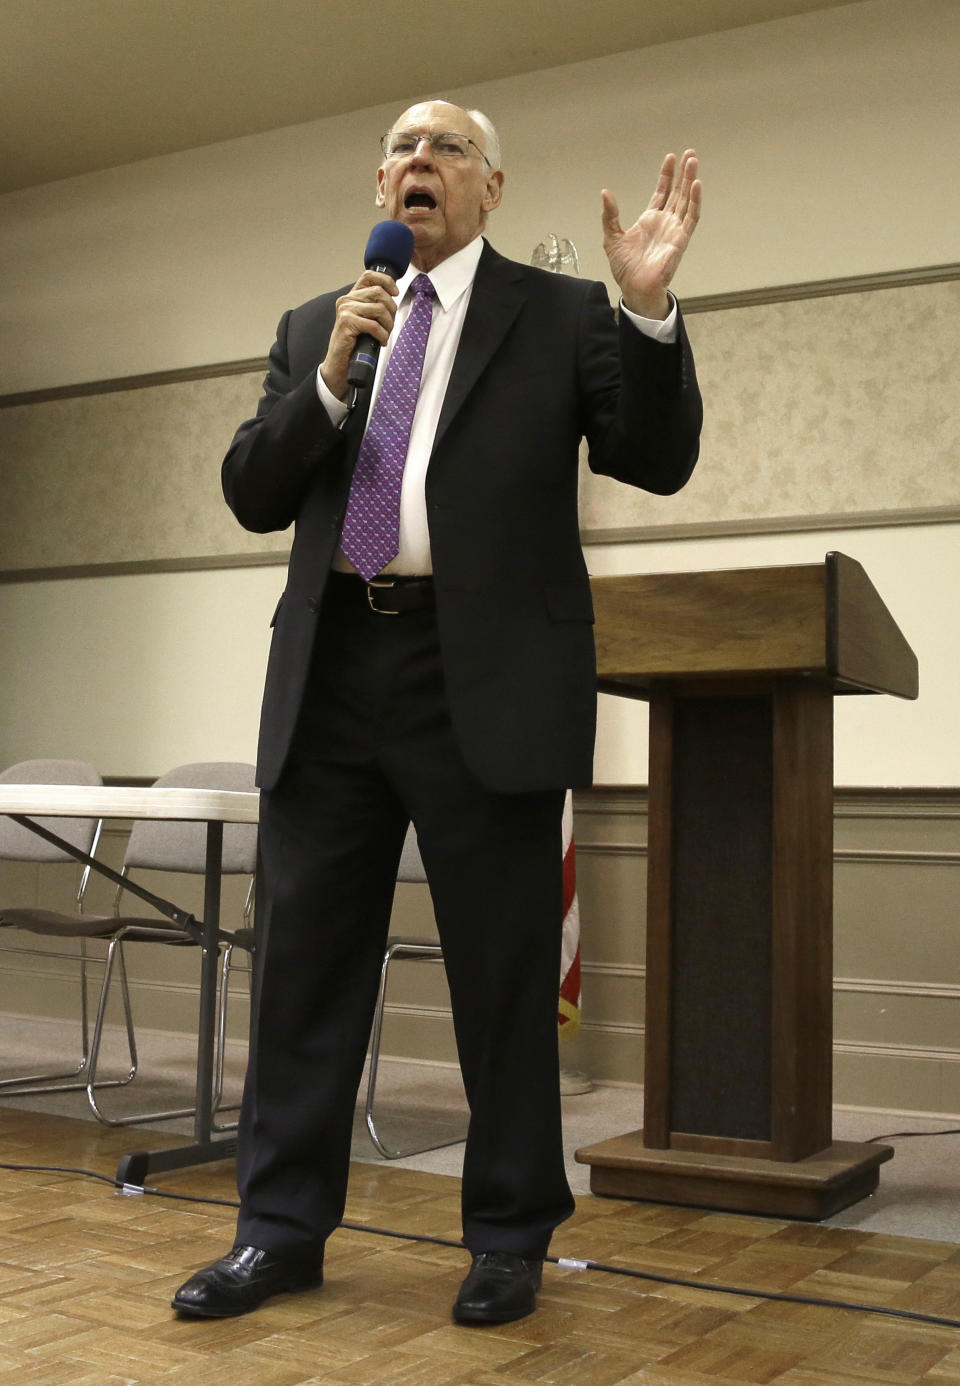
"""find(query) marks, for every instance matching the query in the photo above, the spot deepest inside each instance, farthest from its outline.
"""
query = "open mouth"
(419, 197)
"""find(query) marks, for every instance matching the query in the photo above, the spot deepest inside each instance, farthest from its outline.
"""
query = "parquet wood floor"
(86, 1276)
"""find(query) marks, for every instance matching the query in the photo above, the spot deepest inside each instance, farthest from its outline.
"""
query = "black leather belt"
(388, 596)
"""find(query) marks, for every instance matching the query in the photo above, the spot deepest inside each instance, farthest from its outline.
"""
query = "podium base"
(809, 1189)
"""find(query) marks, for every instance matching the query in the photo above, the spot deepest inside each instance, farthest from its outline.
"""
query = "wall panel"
(830, 406)
(897, 989)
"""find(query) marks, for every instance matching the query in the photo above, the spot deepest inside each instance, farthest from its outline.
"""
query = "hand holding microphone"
(366, 312)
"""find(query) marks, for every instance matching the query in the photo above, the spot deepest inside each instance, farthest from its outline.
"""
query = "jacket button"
(314, 604)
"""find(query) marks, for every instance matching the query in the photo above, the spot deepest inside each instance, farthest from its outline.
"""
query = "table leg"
(134, 1168)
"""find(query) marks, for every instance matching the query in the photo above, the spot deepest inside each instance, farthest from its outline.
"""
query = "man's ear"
(493, 191)
(381, 200)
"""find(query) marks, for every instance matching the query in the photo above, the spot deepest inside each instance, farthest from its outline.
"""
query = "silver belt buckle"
(379, 609)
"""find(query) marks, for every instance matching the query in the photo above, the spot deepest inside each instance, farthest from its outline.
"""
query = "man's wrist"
(336, 408)
(655, 309)
(660, 329)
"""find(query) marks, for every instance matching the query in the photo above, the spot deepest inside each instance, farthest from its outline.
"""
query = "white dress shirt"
(453, 281)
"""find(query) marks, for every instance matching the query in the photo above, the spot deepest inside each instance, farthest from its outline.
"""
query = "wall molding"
(829, 521)
(702, 303)
(178, 376)
(896, 1051)
(862, 986)
(941, 802)
(849, 801)
(599, 969)
(823, 288)
(883, 986)
(780, 524)
(597, 848)
(138, 567)
(879, 856)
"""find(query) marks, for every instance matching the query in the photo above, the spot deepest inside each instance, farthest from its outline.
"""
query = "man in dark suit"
(454, 686)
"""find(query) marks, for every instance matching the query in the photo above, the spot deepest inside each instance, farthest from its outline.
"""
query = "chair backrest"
(19, 844)
(411, 863)
(167, 845)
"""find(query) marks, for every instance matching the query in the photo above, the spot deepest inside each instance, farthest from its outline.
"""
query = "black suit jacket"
(541, 363)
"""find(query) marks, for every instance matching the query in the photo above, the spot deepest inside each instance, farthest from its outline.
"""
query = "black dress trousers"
(373, 750)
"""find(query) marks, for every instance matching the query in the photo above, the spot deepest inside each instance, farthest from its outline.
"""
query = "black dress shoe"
(501, 1286)
(242, 1280)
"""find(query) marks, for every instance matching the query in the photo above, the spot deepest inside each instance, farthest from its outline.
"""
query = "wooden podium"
(740, 669)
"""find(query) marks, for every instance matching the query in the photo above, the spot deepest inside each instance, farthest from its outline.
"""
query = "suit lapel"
(497, 297)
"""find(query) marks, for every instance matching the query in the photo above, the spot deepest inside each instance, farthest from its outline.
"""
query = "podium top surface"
(822, 621)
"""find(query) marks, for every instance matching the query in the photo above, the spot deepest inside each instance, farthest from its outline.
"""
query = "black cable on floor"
(62, 1169)
(778, 1295)
(565, 1262)
(899, 1135)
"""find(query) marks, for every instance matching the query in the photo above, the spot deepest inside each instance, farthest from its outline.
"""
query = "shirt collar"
(451, 277)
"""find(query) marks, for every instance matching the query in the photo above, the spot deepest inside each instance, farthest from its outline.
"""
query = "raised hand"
(645, 256)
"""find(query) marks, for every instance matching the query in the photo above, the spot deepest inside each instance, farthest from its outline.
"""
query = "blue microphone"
(389, 248)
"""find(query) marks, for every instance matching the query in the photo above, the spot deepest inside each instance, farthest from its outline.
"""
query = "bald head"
(463, 120)
(444, 200)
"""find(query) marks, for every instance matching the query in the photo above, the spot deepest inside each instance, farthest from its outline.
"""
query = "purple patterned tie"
(371, 529)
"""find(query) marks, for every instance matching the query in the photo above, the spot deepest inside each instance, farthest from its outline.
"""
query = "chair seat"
(136, 929)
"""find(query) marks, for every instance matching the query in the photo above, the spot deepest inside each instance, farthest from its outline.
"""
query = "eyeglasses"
(398, 144)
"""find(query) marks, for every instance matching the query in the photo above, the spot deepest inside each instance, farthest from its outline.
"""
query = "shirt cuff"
(336, 409)
(660, 331)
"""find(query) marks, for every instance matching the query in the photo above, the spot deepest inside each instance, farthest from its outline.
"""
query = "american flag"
(568, 1006)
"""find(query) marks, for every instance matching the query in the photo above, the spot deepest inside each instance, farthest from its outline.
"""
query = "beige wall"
(821, 137)
(139, 673)
(825, 142)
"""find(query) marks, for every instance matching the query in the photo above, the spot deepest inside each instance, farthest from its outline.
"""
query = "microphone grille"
(390, 243)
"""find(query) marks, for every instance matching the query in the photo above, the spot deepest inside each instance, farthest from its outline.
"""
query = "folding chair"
(419, 949)
(155, 845)
(20, 845)
(414, 950)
